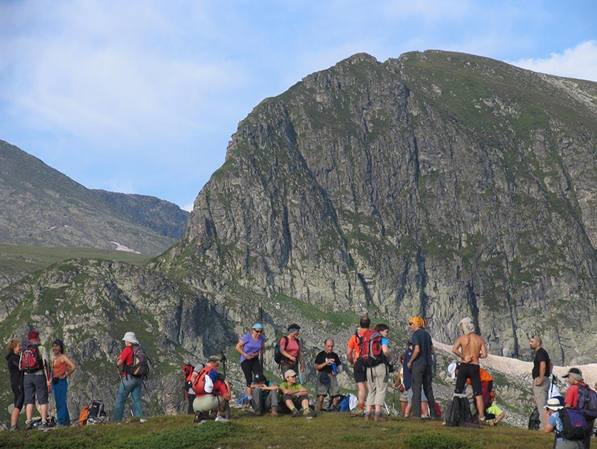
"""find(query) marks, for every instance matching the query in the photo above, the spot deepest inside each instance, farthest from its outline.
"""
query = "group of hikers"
(571, 418)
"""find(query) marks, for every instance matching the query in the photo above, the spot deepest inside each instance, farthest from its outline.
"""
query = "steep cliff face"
(439, 184)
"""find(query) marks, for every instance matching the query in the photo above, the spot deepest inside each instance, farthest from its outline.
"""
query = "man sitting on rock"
(294, 395)
(264, 395)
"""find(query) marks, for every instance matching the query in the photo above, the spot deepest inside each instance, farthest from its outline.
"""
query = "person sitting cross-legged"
(294, 395)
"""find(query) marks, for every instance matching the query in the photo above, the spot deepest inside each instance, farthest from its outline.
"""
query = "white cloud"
(578, 62)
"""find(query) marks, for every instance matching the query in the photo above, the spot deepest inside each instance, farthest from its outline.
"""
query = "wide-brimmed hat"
(131, 338)
(575, 373)
(289, 373)
(554, 404)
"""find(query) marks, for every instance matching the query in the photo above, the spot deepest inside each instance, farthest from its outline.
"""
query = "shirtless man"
(470, 348)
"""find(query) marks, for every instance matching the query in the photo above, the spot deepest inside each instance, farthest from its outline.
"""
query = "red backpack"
(371, 352)
(203, 383)
(31, 359)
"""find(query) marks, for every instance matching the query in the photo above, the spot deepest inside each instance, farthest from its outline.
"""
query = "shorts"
(35, 385)
(360, 375)
(469, 371)
(330, 388)
(404, 395)
(410, 395)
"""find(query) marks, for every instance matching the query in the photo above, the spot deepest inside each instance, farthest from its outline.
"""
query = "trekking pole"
(261, 321)
(224, 360)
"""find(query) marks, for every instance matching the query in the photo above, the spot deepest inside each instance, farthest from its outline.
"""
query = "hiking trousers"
(60, 389)
(422, 377)
(132, 386)
(377, 384)
(540, 394)
(259, 404)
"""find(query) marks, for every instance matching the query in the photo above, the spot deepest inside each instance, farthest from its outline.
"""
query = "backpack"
(587, 402)
(31, 359)
(96, 411)
(140, 365)
(187, 370)
(534, 421)
(574, 423)
(370, 345)
(204, 383)
(278, 357)
(458, 413)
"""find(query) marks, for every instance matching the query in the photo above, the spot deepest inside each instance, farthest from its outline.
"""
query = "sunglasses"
(410, 324)
(257, 332)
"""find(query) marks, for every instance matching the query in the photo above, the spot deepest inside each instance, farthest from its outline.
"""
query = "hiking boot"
(367, 416)
(43, 425)
(295, 413)
(274, 411)
(379, 418)
(357, 411)
(308, 412)
(13, 428)
(28, 424)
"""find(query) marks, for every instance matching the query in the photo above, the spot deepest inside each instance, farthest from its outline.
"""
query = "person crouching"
(294, 395)
(212, 391)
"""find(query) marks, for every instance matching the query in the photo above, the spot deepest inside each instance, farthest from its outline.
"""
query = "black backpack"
(458, 413)
(140, 365)
(278, 357)
(96, 411)
(574, 424)
(534, 421)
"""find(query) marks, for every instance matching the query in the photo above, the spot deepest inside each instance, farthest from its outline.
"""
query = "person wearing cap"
(264, 396)
(553, 423)
(470, 347)
(294, 395)
(251, 346)
(218, 399)
(62, 367)
(576, 381)
(541, 373)
(327, 365)
(353, 354)
(36, 383)
(420, 364)
(129, 385)
(290, 348)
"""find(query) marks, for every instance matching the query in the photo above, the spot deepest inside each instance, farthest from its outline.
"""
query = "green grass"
(325, 431)
(28, 259)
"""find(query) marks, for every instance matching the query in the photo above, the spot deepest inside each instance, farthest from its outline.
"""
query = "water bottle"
(334, 368)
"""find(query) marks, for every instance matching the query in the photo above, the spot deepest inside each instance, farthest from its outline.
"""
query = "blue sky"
(143, 96)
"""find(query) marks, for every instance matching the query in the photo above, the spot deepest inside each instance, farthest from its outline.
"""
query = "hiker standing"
(129, 384)
(420, 364)
(63, 367)
(290, 348)
(251, 346)
(328, 364)
(353, 352)
(212, 391)
(576, 381)
(470, 347)
(553, 423)
(36, 380)
(264, 396)
(16, 380)
(377, 376)
(541, 373)
(294, 395)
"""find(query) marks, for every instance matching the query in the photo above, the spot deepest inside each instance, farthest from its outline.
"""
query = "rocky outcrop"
(439, 184)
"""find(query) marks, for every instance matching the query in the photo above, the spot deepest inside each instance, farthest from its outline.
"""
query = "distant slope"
(43, 207)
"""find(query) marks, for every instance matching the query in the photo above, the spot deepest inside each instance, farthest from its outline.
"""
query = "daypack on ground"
(204, 383)
(278, 357)
(458, 413)
(92, 413)
(140, 365)
(534, 421)
(31, 359)
(587, 402)
(574, 424)
(370, 345)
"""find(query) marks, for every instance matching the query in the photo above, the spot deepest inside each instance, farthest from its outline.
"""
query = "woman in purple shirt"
(250, 346)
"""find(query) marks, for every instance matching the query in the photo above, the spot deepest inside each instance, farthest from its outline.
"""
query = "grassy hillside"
(325, 431)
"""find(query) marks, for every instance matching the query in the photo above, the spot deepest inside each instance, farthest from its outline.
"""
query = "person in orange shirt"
(62, 367)
(353, 352)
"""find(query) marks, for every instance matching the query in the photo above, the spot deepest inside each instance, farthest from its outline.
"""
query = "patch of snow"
(126, 249)
(53, 227)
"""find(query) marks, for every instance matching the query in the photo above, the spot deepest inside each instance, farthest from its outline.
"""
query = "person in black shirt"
(327, 363)
(541, 373)
(16, 380)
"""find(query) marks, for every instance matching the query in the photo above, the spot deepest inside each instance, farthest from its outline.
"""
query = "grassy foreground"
(325, 431)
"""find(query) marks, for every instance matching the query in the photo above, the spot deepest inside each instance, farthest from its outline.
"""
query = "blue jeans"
(128, 385)
(60, 390)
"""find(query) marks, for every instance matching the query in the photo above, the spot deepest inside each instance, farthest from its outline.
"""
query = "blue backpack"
(587, 402)
(575, 425)
(344, 405)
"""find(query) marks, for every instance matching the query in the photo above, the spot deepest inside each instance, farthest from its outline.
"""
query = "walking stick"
(261, 321)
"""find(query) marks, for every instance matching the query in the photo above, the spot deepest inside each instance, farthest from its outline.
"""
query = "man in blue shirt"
(420, 364)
